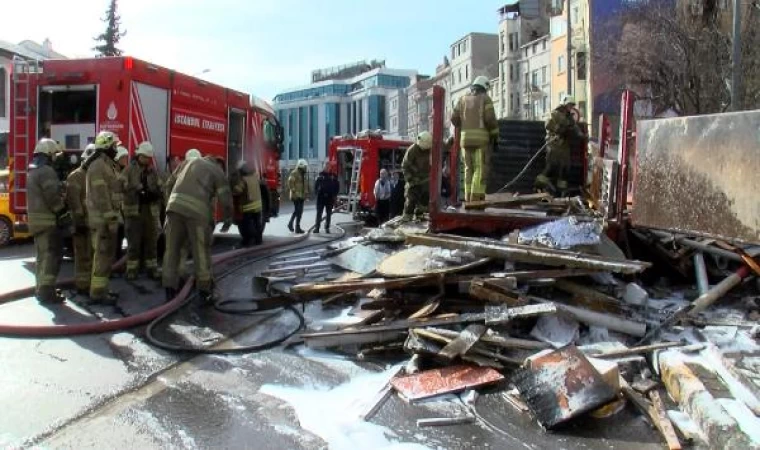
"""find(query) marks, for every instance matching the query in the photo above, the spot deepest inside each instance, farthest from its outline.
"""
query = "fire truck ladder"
(22, 138)
(353, 190)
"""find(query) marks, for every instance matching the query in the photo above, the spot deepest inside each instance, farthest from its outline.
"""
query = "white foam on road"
(333, 413)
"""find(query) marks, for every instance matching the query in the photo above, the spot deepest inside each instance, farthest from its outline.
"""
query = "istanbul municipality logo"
(112, 112)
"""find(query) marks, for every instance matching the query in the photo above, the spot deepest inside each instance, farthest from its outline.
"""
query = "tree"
(680, 59)
(110, 38)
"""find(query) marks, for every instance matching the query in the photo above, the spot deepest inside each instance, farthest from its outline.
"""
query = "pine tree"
(110, 38)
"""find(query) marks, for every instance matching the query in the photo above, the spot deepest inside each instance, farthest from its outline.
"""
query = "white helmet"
(145, 149)
(425, 140)
(88, 151)
(121, 152)
(568, 100)
(46, 146)
(192, 154)
(482, 82)
(302, 164)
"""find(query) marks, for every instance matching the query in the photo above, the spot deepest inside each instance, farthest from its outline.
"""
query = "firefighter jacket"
(248, 189)
(299, 188)
(474, 115)
(561, 128)
(142, 187)
(44, 200)
(104, 191)
(416, 165)
(198, 181)
(76, 188)
(326, 187)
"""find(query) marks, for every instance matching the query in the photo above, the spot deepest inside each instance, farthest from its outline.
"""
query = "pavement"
(115, 390)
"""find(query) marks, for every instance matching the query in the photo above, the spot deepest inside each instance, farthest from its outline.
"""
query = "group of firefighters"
(107, 192)
(475, 120)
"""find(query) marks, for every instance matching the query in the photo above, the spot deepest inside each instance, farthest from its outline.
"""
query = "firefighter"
(246, 189)
(142, 207)
(299, 191)
(326, 189)
(47, 216)
(122, 160)
(176, 166)
(561, 132)
(416, 167)
(103, 201)
(122, 157)
(475, 118)
(189, 220)
(76, 188)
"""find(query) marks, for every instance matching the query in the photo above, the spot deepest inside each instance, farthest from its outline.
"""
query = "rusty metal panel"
(698, 175)
(446, 380)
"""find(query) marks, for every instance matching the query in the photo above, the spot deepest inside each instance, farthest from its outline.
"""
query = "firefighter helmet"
(425, 140)
(106, 139)
(121, 152)
(46, 146)
(88, 151)
(482, 82)
(568, 100)
(145, 149)
(192, 154)
(302, 164)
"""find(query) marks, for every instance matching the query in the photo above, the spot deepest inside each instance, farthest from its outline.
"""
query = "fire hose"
(160, 312)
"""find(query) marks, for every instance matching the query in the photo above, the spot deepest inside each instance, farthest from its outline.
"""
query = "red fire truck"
(358, 160)
(72, 100)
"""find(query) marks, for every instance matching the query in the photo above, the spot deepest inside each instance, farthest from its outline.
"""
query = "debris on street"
(550, 316)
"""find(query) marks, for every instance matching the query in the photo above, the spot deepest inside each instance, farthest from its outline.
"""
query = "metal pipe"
(713, 295)
(701, 272)
(528, 254)
(700, 246)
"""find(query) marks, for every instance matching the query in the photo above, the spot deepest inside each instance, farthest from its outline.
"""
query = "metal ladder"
(21, 147)
(353, 189)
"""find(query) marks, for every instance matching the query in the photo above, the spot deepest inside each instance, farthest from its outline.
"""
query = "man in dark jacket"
(397, 195)
(326, 188)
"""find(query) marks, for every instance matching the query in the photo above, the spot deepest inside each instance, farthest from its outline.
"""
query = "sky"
(260, 47)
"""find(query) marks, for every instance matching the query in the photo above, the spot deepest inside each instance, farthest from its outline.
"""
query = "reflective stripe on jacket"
(249, 189)
(197, 183)
(474, 114)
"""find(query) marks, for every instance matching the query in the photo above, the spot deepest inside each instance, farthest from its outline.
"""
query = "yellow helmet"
(193, 154)
(425, 140)
(145, 149)
(121, 152)
(106, 139)
(46, 146)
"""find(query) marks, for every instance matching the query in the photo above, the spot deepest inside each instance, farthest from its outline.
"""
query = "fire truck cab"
(358, 160)
(71, 101)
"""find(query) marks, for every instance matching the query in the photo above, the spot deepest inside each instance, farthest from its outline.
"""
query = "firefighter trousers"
(557, 163)
(48, 246)
(82, 260)
(181, 231)
(142, 240)
(474, 174)
(417, 198)
(250, 229)
(103, 254)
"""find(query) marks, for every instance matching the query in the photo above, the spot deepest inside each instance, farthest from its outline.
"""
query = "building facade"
(345, 100)
(396, 105)
(473, 55)
(519, 23)
(535, 65)
(575, 63)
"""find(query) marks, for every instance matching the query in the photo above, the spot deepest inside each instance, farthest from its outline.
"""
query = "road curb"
(683, 385)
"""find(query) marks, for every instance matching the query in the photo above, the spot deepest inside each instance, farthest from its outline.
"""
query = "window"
(545, 105)
(543, 75)
(459, 72)
(464, 47)
(467, 72)
(526, 52)
(535, 48)
(511, 72)
(561, 64)
(517, 102)
(543, 44)
(394, 123)
(534, 78)
(3, 95)
(511, 102)
(527, 81)
(395, 104)
(580, 66)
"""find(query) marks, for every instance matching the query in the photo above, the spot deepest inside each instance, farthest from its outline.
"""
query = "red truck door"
(149, 120)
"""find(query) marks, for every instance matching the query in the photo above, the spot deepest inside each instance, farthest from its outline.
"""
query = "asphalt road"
(116, 391)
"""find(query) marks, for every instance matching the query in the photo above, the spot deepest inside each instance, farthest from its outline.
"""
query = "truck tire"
(6, 231)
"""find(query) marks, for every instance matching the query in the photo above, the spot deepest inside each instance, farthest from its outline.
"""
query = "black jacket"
(326, 187)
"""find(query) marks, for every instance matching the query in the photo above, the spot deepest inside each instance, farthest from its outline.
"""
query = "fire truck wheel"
(6, 231)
